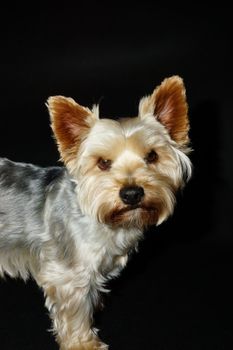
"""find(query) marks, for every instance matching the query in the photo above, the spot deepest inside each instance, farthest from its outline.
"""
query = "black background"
(176, 293)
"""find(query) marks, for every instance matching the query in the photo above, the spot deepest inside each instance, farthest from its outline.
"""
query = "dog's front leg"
(71, 310)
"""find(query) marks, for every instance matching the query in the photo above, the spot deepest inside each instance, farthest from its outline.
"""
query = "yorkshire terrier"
(72, 228)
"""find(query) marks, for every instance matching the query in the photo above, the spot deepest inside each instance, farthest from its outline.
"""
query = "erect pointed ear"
(168, 104)
(70, 123)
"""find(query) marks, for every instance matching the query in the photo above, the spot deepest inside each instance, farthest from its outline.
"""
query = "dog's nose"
(131, 194)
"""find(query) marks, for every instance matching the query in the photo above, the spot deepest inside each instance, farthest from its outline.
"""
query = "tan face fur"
(127, 171)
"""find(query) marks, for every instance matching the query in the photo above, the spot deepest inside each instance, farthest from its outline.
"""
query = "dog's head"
(127, 171)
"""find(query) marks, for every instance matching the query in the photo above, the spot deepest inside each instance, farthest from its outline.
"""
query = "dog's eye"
(151, 157)
(104, 164)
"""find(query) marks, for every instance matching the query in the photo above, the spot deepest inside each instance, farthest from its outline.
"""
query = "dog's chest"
(105, 250)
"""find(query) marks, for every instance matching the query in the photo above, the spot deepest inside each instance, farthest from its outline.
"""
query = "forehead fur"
(111, 136)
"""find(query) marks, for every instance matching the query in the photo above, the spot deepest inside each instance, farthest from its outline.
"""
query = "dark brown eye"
(151, 157)
(104, 164)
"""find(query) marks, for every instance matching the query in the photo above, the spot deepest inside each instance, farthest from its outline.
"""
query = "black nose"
(131, 194)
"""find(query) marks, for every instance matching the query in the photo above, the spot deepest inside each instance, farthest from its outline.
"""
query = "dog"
(73, 227)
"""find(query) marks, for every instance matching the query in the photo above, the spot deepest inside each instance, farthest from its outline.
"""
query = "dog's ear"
(169, 106)
(70, 123)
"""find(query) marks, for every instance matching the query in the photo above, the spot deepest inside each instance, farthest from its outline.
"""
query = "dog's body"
(44, 232)
(72, 228)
